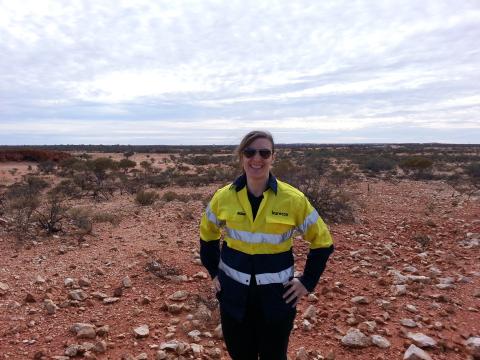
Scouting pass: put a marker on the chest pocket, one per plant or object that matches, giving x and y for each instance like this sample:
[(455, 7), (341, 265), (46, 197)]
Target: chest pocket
[(234, 219), (279, 224)]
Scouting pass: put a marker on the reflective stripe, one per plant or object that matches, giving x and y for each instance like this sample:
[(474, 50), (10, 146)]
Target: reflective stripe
[(236, 275), (280, 277), (257, 238), (212, 217), (311, 219)]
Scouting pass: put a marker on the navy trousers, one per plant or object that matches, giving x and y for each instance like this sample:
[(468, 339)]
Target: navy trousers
[(256, 337)]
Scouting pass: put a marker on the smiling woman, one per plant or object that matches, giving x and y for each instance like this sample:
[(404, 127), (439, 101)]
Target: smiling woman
[(253, 273)]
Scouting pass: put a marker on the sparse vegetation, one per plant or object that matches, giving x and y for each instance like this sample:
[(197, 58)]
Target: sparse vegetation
[(145, 197)]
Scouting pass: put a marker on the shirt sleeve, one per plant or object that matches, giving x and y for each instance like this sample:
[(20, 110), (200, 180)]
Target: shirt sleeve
[(210, 238), (314, 267), (316, 232)]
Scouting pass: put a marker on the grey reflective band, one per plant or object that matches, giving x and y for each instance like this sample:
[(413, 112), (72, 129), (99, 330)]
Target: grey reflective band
[(236, 275), (258, 238), (311, 219), (212, 217), (280, 277)]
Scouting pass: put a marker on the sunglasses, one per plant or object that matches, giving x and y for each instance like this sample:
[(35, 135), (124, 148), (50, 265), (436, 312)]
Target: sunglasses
[(264, 153)]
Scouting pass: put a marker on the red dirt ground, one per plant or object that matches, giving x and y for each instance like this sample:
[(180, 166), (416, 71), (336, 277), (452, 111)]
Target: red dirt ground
[(390, 218)]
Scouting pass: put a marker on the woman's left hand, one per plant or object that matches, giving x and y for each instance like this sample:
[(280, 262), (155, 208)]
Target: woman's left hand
[(295, 291)]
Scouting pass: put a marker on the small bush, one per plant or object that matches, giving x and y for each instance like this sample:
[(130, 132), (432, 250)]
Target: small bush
[(379, 164), (82, 219), (145, 197), (474, 170), (104, 217)]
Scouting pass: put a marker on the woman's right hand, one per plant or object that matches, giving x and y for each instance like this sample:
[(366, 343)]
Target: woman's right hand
[(216, 284)]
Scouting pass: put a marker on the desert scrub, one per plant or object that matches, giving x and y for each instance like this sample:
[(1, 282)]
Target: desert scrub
[(146, 197), (106, 217), (82, 219)]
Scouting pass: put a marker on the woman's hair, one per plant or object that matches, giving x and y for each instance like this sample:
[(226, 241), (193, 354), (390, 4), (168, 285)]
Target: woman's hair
[(251, 137)]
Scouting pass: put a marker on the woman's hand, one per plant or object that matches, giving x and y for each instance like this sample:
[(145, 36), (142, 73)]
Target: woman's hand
[(216, 284), (295, 291)]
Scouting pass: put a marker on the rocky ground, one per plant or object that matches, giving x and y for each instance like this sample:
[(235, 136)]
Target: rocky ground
[(403, 283)]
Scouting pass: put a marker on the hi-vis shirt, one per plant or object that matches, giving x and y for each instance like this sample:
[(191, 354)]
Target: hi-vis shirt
[(260, 248)]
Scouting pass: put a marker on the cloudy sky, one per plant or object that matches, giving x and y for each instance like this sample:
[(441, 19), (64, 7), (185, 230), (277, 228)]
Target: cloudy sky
[(206, 72)]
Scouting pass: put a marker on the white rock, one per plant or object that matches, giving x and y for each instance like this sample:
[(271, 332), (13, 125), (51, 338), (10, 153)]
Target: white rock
[(422, 340), (141, 332), (408, 323), (415, 353), (380, 341), (179, 295), (355, 338), (399, 290), (411, 308), (301, 354), (360, 300)]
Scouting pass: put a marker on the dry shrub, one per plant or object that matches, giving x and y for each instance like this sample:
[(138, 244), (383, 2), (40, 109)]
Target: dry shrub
[(333, 203), (82, 219), (106, 217), (146, 197)]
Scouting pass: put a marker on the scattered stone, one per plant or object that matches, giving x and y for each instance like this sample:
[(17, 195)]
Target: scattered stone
[(195, 335), (421, 340), (3, 288), (141, 356), (408, 323), (69, 282), (39, 280), (83, 330), (306, 325), (399, 290), (78, 295), (100, 347), (161, 355), (301, 354), (312, 298), (110, 300), (74, 350), (411, 308), (126, 282), (141, 332), (355, 338), (84, 282), (415, 353), (380, 341), (179, 295), (360, 300), (473, 346), (197, 350), (310, 312), (203, 314), (200, 275), (103, 330), (50, 306), (175, 308)]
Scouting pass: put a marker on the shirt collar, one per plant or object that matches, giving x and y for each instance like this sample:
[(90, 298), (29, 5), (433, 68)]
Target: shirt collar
[(241, 182)]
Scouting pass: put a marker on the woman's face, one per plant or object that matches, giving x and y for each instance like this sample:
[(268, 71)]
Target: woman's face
[(256, 167)]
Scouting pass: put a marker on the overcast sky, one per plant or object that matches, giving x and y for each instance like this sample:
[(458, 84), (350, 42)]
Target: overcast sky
[(206, 72)]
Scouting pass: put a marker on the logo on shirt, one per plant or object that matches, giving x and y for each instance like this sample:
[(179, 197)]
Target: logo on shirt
[(241, 213), (279, 213)]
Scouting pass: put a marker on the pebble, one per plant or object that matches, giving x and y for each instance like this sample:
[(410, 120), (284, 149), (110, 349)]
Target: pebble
[(380, 341), (415, 353), (355, 338), (141, 331), (421, 340)]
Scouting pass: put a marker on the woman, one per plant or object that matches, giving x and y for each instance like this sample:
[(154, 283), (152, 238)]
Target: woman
[(253, 272)]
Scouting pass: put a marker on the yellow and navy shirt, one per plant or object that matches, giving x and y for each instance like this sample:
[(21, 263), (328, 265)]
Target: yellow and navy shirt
[(259, 248)]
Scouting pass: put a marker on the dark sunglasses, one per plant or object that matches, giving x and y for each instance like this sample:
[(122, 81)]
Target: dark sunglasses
[(264, 153)]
